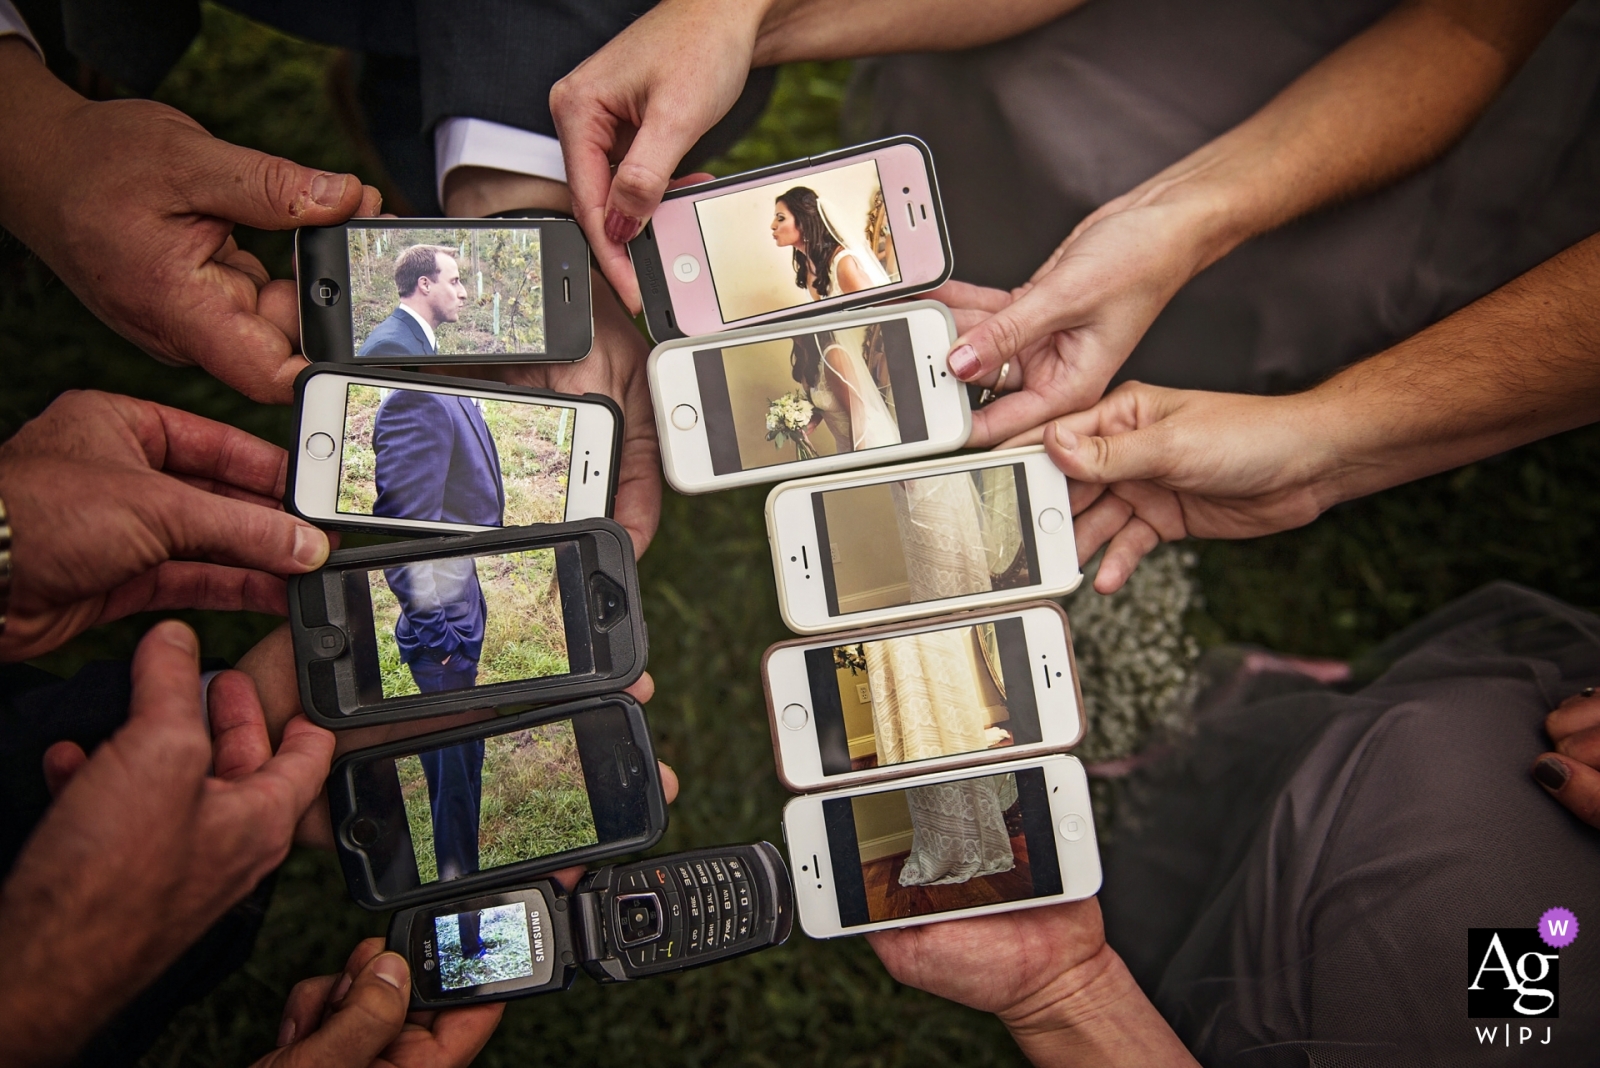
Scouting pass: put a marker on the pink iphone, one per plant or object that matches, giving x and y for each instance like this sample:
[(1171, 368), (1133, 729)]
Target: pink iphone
[(854, 227)]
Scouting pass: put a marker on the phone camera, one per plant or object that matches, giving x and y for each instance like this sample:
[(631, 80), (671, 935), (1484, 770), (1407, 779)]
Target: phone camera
[(609, 603), (325, 291)]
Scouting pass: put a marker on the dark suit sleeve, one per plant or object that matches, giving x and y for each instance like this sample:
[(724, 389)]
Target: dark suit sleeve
[(411, 443), (425, 590)]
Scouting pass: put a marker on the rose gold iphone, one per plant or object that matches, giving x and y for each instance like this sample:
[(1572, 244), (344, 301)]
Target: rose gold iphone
[(853, 227)]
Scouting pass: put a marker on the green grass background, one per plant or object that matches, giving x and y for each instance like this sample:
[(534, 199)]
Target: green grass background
[(1333, 589)]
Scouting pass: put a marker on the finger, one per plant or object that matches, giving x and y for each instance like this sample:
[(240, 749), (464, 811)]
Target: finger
[(1574, 784), (1130, 545), (315, 829), (964, 296), (1127, 457), (370, 1017), (303, 1010), (184, 584), (1577, 713), (205, 526), (642, 176), (267, 192), (1098, 524), (568, 877), (1003, 336), (643, 689), (1155, 505), (287, 784), (359, 958), (1080, 495), (204, 448), (458, 1034), (279, 304), (1582, 746), (669, 781), (239, 742), (61, 763)]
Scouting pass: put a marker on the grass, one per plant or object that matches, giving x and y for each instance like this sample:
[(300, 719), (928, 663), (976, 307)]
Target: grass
[(1335, 588)]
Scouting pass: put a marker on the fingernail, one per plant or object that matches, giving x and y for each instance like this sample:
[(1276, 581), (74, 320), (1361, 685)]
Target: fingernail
[(391, 968), (619, 227), (179, 636), (1551, 773), (1065, 438), (964, 362), (328, 189), (341, 988), (310, 546), (286, 1032)]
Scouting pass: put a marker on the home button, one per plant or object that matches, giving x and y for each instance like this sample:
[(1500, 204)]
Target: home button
[(684, 417), (1073, 827), (1051, 520)]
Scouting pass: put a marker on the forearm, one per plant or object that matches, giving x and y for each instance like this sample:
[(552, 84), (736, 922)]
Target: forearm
[(36, 103), (794, 30)]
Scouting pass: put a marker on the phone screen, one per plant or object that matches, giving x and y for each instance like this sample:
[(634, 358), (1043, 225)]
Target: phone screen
[(446, 812), (446, 458), (416, 291), (798, 240), (506, 938), (952, 845), (810, 394), (926, 539), (921, 696)]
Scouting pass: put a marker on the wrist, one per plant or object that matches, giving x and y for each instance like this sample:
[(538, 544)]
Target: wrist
[(478, 192), (31, 125)]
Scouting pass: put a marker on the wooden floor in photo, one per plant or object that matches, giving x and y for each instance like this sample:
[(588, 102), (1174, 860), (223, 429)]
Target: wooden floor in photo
[(888, 900)]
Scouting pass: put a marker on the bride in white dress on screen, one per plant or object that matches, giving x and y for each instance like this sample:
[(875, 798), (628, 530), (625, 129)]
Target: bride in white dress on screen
[(842, 392), (825, 265)]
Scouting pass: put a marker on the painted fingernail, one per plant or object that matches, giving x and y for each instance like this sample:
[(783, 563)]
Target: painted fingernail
[(328, 189), (1551, 773), (619, 227), (964, 362), (391, 968), (310, 546), (286, 1032), (342, 987)]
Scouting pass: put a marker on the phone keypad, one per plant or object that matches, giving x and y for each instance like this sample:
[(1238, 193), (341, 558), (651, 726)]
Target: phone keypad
[(708, 907)]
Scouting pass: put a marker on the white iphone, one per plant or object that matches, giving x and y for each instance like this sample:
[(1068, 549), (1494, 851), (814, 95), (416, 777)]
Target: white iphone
[(954, 692), (921, 539), (392, 451), (942, 847), (847, 390)]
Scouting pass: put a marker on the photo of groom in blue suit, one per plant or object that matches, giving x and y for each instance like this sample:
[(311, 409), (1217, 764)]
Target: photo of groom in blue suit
[(435, 459), (431, 293)]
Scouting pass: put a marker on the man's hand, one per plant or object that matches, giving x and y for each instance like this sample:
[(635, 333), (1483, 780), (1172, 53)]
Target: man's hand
[(358, 1018), (133, 204), (1572, 773), (120, 506), (143, 848)]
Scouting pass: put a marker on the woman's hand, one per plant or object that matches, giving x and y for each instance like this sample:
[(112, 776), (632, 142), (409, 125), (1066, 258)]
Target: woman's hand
[(1572, 773)]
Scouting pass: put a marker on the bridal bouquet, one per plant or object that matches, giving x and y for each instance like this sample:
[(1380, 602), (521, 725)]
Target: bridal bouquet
[(787, 418)]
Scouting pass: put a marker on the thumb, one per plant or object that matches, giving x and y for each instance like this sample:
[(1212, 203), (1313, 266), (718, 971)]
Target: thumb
[(207, 526), (1000, 337), (644, 173), (266, 192), (61, 762), (1128, 457), (370, 1017)]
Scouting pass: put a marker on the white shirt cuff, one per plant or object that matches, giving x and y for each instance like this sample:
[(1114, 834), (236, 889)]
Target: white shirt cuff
[(12, 22), (459, 142)]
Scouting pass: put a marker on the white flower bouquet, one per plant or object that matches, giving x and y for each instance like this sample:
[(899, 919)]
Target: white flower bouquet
[(787, 419)]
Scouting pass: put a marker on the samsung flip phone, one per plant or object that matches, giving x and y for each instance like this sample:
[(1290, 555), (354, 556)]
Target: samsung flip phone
[(459, 811), (921, 539), (396, 452), (843, 230), (505, 618), (945, 846), (958, 691), (409, 292), (623, 922), (840, 391)]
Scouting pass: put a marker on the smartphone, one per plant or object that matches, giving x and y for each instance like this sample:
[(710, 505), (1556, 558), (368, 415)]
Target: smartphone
[(954, 692), (942, 847), (850, 389), (398, 292), (854, 227), (920, 539), (460, 810), (623, 922), (506, 619), (394, 452)]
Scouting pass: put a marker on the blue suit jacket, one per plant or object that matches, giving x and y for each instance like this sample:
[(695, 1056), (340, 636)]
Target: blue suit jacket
[(435, 460), (398, 335)]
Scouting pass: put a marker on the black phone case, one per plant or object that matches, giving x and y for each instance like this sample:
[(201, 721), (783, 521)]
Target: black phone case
[(358, 874), (321, 259), (402, 378), (584, 929), (659, 317), (322, 650)]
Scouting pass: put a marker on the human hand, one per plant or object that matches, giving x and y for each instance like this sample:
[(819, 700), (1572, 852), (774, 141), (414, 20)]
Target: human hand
[(1571, 773), (132, 204), (119, 506), (358, 1018), (144, 848)]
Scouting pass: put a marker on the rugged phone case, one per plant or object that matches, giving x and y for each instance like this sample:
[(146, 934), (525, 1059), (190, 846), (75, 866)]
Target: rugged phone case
[(651, 917), (353, 830), (325, 657), (906, 770), (404, 378), (659, 317)]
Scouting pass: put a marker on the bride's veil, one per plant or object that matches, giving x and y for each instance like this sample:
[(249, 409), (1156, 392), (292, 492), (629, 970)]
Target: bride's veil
[(869, 263)]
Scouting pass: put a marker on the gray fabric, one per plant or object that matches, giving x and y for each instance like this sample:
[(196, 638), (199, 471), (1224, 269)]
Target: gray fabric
[(1032, 134), (1304, 872)]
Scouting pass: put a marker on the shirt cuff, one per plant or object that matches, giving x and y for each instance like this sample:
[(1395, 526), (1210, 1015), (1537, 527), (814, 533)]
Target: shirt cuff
[(12, 22), (459, 142)]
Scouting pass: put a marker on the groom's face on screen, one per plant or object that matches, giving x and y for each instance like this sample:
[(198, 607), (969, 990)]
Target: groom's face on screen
[(441, 296)]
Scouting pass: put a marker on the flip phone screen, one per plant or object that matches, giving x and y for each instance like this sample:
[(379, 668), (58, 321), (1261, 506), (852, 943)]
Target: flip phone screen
[(480, 947), (390, 466), (797, 241), (921, 696), (942, 847), (809, 395), (926, 539)]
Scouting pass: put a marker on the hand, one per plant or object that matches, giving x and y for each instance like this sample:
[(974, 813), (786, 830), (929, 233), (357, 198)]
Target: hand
[(1149, 465), (132, 204), (120, 506), (1074, 323), (358, 1018), (143, 849), (1570, 773), (641, 103)]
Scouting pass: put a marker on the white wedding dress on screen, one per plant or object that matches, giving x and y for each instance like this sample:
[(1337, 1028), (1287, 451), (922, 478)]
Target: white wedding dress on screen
[(927, 698), (958, 831), (855, 413)]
